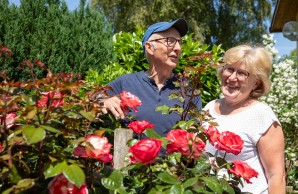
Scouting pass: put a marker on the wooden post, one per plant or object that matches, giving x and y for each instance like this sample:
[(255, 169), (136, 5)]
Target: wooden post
[(121, 136)]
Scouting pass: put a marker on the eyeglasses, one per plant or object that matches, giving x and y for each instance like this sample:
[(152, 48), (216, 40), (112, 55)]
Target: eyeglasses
[(170, 41), (241, 74)]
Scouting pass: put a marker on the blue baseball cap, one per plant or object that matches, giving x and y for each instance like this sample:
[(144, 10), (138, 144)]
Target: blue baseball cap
[(180, 25)]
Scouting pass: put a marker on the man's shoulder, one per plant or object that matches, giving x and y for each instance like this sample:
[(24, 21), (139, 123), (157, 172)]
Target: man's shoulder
[(130, 75)]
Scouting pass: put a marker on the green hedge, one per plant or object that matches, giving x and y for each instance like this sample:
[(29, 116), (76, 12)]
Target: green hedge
[(46, 30)]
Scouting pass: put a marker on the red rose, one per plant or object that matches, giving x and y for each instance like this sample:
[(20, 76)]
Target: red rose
[(145, 151), (229, 142), (101, 149), (140, 126), (60, 185), (186, 143), (10, 119), (129, 100), (243, 170), (212, 134), (1, 148), (57, 100)]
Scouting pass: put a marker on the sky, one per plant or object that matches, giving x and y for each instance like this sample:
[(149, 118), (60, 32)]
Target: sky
[(282, 44)]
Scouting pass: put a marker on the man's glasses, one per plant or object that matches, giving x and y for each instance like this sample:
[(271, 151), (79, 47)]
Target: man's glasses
[(241, 74), (170, 41)]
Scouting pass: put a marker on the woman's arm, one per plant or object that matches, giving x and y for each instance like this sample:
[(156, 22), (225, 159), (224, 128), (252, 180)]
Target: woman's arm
[(271, 152)]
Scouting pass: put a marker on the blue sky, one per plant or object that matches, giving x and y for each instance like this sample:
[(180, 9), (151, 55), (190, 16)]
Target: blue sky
[(283, 45)]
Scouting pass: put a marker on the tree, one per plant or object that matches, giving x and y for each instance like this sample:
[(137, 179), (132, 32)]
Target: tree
[(213, 22), (46, 30)]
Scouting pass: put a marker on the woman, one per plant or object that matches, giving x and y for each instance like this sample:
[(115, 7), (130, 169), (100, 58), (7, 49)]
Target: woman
[(245, 78)]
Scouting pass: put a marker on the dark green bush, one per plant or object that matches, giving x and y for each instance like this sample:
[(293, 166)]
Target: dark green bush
[(46, 30)]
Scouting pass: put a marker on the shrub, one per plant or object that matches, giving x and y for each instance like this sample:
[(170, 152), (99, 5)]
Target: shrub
[(47, 31), (54, 137)]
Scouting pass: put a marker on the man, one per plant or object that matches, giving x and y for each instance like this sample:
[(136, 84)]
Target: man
[(162, 47)]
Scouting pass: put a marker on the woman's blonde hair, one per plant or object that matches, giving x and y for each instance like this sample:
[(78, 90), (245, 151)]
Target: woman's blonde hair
[(258, 62)]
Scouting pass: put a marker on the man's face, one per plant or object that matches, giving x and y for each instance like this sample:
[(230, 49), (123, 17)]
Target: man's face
[(164, 49)]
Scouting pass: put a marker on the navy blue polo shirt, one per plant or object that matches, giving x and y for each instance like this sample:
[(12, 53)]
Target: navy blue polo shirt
[(145, 88)]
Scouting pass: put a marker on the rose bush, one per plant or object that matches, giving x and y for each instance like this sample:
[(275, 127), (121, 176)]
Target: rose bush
[(54, 138)]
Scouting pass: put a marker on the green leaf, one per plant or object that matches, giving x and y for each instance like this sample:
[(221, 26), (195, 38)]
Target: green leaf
[(14, 175), (176, 189), (185, 124), (166, 177), (201, 189), (226, 187), (51, 129), (88, 115), (121, 190), (213, 184), (28, 100), (74, 174), (25, 183), (114, 181), (164, 109), (53, 171), (190, 182), (8, 191), (151, 133), (33, 134)]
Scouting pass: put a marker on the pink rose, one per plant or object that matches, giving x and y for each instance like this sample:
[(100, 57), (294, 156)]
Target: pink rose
[(129, 100), (60, 185), (186, 143), (229, 142), (243, 170), (101, 149), (145, 151), (140, 126), (57, 100), (10, 119)]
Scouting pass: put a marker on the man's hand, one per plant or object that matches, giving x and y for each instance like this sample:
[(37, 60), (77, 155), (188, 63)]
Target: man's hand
[(112, 104)]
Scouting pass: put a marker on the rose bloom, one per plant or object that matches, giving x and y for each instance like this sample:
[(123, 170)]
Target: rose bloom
[(145, 151), (60, 185), (186, 143), (129, 100), (212, 134), (243, 170), (140, 126), (229, 142), (101, 149), (1, 148), (57, 100), (10, 119)]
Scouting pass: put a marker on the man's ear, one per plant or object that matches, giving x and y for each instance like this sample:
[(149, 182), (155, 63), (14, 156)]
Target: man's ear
[(150, 46)]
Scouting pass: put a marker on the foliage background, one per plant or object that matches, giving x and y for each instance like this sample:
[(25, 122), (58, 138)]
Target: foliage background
[(46, 30), (213, 22)]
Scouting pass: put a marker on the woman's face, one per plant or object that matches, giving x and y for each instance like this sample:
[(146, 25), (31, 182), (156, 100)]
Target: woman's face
[(237, 83)]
